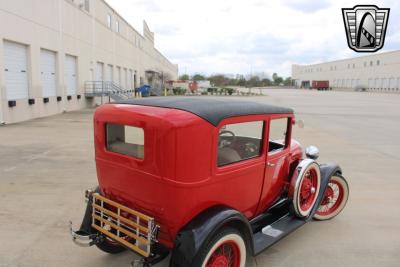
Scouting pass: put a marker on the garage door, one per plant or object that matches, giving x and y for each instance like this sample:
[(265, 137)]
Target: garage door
[(130, 78), (134, 80), (371, 83), (48, 72), (384, 83), (70, 74), (99, 71), (110, 74), (124, 82), (392, 83), (353, 83), (377, 83), (119, 76), (16, 70)]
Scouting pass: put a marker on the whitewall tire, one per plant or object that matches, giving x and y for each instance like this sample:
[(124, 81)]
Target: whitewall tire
[(227, 248), (335, 199)]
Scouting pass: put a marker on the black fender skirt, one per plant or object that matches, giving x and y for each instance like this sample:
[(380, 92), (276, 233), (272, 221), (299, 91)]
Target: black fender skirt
[(196, 233), (327, 170)]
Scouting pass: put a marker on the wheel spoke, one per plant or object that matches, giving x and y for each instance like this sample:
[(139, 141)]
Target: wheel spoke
[(226, 254)]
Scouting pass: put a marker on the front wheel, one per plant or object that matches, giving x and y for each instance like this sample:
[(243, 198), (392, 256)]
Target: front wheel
[(335, 198), (226, 249), (304, 188)]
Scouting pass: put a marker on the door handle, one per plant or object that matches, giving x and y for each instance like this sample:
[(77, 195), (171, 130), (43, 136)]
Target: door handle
[(270, 164)]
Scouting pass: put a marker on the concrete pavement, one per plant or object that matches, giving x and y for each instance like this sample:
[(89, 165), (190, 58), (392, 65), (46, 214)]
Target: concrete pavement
[(46, 164)]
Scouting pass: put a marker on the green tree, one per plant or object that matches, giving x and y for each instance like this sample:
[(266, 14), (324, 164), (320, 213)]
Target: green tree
[(254, 81), (288, 81), (218, 80), (198, 77), (277, 80), (266, 82), (241, 81), (184, 77)]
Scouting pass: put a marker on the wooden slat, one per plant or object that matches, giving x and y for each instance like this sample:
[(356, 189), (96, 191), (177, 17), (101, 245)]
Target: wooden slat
[(122, 241), (132, 235), (121, 218), (115, 204)]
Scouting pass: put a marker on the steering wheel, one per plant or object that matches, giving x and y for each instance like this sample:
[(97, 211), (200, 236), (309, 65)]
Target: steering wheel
[(224, 143)]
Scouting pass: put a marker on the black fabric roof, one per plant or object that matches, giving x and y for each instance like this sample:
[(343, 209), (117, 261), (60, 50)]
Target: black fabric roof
[(211, 109)]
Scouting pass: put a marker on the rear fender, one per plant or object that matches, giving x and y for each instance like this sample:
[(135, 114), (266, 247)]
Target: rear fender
[(327, 170), (197, 232), (86, 225)]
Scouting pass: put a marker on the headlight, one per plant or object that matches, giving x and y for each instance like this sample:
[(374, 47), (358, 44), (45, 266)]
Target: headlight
[(312, 152)]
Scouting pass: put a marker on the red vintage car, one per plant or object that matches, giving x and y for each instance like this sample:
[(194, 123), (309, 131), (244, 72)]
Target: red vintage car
[(207, 180)]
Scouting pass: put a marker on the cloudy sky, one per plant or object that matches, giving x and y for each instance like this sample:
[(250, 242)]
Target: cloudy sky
[(249, 36)]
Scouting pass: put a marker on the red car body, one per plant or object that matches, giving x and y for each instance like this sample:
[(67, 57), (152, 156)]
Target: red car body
[(175, 191), (179, 178)]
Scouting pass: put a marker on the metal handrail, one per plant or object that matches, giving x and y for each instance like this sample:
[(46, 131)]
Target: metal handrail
[(106, 88)]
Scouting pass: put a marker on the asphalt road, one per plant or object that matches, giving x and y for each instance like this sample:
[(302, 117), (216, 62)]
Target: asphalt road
[(46, 164)]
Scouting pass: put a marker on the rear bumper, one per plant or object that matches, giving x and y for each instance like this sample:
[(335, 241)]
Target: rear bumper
[(84, 239)]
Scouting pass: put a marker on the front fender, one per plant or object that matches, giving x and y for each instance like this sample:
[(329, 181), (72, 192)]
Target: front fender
[(327, 170), (198, 231)]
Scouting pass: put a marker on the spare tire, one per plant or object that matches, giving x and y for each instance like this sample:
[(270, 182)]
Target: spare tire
[(304, 187)]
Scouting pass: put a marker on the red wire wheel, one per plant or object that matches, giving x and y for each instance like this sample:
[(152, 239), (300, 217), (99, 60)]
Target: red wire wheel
[(335, 198), (305, 187), (308, 189), (227, 254), (226, 249)]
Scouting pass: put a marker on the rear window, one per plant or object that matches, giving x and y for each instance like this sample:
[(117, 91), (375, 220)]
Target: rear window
[(127, 140)]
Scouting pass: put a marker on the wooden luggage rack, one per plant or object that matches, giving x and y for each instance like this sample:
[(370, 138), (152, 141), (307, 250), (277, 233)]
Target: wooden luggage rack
[(128, 227)]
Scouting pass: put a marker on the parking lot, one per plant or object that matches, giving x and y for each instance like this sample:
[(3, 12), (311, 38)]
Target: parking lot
[(46, 164)]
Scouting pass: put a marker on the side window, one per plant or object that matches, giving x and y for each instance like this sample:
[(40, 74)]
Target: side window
[(127, 140), (239, 141), (277, 134)]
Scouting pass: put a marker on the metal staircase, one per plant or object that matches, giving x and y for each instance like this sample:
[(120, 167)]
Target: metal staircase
[(107, 88)]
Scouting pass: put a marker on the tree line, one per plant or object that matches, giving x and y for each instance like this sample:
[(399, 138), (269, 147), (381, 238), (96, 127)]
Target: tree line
[(240, 80)]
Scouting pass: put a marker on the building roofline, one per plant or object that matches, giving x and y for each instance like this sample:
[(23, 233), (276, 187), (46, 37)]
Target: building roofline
[(133, 28), (122, 18), (346, 59)]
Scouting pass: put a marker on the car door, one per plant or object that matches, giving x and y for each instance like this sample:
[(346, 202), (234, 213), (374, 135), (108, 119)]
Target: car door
[(277, 161), (240, 166)]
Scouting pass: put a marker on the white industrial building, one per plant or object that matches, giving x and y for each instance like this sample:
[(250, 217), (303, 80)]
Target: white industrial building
[(374, 72), (51, 49)]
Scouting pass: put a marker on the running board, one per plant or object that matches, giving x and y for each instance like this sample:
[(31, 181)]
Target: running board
[(274, 232)]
